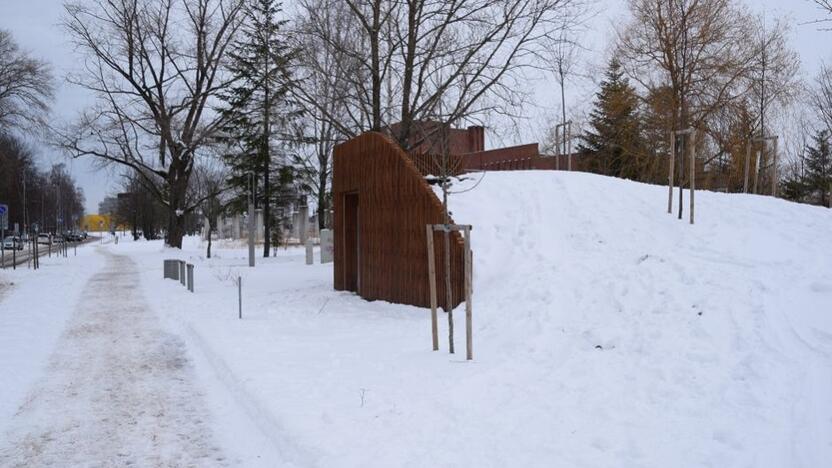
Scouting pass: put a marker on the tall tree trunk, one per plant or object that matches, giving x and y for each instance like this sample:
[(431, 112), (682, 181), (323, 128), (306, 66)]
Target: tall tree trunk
[(210, 232), (178, 183), (376, 66), (267, 158), (176, 230), (323, 207), (407, 81), (267, 136), (267, 231)]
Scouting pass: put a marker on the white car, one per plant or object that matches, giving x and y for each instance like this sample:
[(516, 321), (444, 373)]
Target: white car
[(12, 242), (44, 239)]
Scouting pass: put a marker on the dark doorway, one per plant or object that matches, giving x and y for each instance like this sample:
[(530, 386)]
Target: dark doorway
[(352, 257)]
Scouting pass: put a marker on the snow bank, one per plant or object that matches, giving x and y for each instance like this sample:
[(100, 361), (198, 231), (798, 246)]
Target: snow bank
[(652, 342), (34, 308), (606, 333)]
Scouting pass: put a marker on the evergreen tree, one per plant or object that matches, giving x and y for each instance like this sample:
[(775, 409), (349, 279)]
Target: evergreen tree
[(793, 187), (260, 112), (613, 143), (818, 177)]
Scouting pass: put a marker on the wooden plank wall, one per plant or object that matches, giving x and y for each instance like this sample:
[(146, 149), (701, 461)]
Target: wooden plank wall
[(395, 204)]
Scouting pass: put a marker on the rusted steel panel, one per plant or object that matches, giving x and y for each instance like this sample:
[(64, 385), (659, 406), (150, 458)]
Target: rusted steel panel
[(380, 248)]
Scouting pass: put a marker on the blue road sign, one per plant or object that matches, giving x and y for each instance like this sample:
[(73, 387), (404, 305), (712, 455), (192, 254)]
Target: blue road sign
[(4, 217)]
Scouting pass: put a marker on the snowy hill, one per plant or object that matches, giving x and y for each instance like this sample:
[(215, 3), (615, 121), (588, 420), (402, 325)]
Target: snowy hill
[(663, 344), (607, 333)]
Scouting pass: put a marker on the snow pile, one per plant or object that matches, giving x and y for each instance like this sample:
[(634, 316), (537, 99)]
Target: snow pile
[(606, 333), (648, 341)]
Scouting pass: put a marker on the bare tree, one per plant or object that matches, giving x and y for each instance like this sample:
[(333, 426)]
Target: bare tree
[(698, 48), (326, 74), (155, 67), (821, 96), (562, 58), (405, 57), (26, 89), (210, 187), (825, 5)]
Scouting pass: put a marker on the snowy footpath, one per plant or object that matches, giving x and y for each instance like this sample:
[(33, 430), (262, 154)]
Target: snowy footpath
[(607, 334), (118, 389)]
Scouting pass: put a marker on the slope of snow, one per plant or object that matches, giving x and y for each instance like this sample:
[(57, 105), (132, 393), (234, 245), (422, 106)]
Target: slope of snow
[(606, 333), (664, 344)]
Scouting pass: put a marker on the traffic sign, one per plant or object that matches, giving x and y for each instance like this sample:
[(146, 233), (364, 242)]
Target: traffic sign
[(4, 217)]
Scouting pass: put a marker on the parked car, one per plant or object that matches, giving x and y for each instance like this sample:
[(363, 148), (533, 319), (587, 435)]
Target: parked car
[(44, 239), (12, 243)]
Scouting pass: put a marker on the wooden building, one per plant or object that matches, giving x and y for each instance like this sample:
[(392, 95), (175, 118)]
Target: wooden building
[(382, 203), (381, 206)]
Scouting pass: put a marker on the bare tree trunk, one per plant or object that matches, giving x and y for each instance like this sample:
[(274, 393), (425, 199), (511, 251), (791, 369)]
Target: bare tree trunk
[(267, 232), (210, 235), (376, 66), (176, 213), (323, 207), (449, 305)]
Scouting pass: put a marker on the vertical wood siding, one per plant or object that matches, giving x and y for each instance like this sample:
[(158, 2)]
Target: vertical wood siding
[(395, 203)]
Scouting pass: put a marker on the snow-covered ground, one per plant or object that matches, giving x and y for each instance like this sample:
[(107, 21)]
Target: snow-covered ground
[(606, 333)]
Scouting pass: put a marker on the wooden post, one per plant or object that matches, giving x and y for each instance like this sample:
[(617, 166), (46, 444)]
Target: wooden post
[(469, 334), (747, 163), (681, 182), (434, 328), (692, 144), (568, 143), (757, 171), (774, 170), (670, 172), (557, 147)]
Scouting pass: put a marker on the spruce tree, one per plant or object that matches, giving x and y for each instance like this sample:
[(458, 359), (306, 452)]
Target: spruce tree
[(818, 176), (613, 142), (259, 110)]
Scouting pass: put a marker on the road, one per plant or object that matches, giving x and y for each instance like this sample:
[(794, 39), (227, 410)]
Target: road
[(118, 390), (21, 257)]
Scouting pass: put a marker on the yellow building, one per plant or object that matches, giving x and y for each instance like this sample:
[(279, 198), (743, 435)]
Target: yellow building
[(96, 222)]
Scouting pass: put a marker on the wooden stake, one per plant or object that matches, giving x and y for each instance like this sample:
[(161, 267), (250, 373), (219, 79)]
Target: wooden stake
[(757, 171), (747, 163), (692, 144), (568, 143), (469, 334), (434, 328), (774, 170), (670, 172)]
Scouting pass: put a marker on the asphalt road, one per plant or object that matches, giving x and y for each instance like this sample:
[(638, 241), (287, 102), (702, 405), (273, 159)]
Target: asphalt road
[(21, 257)]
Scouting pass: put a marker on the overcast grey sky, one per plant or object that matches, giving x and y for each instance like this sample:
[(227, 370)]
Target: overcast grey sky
[(34, 24)]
